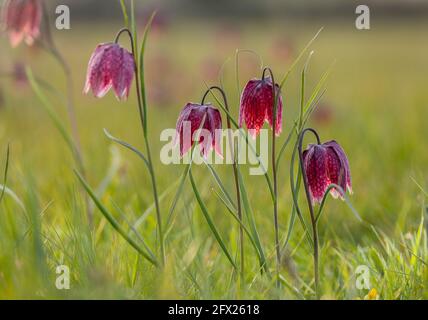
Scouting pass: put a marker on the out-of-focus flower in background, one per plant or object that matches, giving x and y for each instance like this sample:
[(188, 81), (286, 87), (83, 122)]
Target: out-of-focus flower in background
[(282, 50), (323, 114), (161, 20), (2, 100), (21, 19), (210, 68), (228, 37), (19, 75)]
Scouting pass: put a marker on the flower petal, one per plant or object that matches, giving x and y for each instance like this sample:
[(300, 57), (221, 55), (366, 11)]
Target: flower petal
[(347, 184), (122, 68), (254, 103), (316, 172)]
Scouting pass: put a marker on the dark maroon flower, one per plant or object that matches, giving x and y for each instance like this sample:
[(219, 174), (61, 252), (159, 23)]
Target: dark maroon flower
[(21, 19), (110, 66), (190, 120), (326, 164), (257, 106)]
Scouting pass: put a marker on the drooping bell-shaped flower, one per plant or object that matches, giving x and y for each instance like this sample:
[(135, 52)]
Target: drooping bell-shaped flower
[(190, 120), (110, 66), (326, 164), (21, 19), (257, 105)]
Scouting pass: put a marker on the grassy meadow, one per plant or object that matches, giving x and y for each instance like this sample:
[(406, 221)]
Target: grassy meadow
[(375, 105)]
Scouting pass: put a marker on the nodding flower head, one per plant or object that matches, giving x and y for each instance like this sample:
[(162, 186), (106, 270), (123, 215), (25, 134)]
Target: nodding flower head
[(110, 66), (326, 164), (190, 120), (21, 19), (257, 104)]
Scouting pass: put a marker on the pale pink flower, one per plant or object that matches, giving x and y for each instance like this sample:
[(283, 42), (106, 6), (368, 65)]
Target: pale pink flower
[(110, 66), (190, 120)]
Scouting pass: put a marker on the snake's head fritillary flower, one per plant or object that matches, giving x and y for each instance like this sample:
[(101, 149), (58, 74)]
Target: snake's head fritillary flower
[(21, 19), (257, 104), (326, 164), (110, 66), (190, 120)]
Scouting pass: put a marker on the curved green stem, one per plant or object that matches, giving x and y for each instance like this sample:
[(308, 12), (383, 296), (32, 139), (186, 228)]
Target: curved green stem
[(235, 174), (275, 101), (311, 208), (142, 114)]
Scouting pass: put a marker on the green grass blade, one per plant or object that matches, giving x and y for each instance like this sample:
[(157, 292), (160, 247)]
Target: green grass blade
[(345, 198), (250, 216), (233, 213), (220, 184), (124, 13), (210, 221), (295, 196), (176, 198), (141, 69), (9, 192), (51, 112), (6, 170), (152, 206), (128, 146), (113, 221), (296, 61)]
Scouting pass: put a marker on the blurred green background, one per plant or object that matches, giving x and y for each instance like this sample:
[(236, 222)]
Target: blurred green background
[(376, 106)]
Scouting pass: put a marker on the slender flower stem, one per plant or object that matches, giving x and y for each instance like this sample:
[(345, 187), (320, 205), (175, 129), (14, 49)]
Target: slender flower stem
[(235, 172), (311, 208), (146, 141), (51, 47), (274, 174)]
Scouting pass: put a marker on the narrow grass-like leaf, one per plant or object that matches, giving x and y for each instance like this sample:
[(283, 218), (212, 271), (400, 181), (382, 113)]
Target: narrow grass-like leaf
[(345, 197), (149, 209), (318, 87), (124, 13), (6, 170), (176, 198), (233, 213), (420, 187), (52, 114), (307, 109), (9, 192), (250, 216), (293, 213), (128, 146), (296, 61), (220, 184), (417, 241), (295, 195), (134, 231), (113, 221), (210, 221), (142, 69)]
